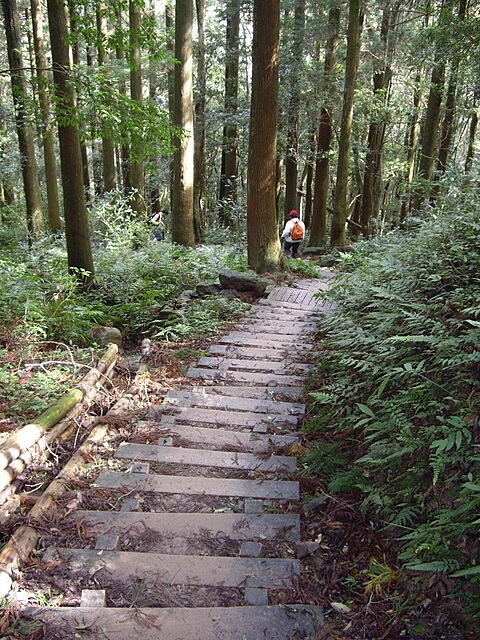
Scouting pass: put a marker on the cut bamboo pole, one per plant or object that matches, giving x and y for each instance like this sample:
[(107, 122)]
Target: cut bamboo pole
[(27, 437)]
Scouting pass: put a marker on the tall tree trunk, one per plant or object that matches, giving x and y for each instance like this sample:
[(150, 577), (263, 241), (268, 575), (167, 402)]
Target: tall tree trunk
[(136, 154), (382, 79), (228, 178), (77, 234), (319, 231), (411, 144), (182, 231), (472, 135), (199, 190), (262, 229), (170, 28), (25, 135), (125, 148), (355, 20), (54, 222), (296, 70), (108, 151)]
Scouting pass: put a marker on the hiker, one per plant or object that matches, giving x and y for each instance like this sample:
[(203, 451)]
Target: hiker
[(293, 233), (158, 219)]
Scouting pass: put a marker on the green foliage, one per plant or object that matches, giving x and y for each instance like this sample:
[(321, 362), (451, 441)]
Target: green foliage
[(398, 378)]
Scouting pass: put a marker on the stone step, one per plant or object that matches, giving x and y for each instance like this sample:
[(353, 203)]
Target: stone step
[(250, 353), (241, 419), (264, 365), (276, 314), (286, 328), (246, 377), (205, 458), (293, 294), (220, 438), (271, 393), (199, 486), (263, 341), (156, 569), (286, 622), (234, 526), (261, 334), (180, 398), (281, 304)]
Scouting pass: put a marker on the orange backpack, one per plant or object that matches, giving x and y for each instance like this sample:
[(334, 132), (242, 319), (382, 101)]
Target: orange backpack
[(297, 232)]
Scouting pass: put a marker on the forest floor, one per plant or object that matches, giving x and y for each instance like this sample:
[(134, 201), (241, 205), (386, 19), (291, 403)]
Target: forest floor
[(353, 571)]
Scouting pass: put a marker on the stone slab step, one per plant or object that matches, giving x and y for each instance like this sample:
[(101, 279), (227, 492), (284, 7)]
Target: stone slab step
[(233, 403), (265, 335), (296, 295), (199, 486), (271, 393), (273, 313), (263, 341), (156, 569), (235, 526), (205, 458), (245, 419), (246, 377), (286, 622), (282, 304), (288, 327), (251, 353), (264, 365), (223, 438)]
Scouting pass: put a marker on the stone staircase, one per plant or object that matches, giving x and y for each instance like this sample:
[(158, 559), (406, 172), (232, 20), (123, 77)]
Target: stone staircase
[(205, 541)]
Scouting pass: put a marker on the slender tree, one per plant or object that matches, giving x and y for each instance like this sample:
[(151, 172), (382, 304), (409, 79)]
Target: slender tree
[(228, 177), (26, 143), (137, 177), (199, 131), (293, 109), (182, 230), (108, 150), (318, 230), (262, 229), (54, 222), (79, 250), (472, 135), (355, 21), (411, 144)]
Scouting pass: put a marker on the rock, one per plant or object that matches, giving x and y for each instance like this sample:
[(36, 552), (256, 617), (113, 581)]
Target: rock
[(208, 288), (186, 296), (238, 280), (261, 286), (328, 260), (313, 251), (106, 335), (305, 548)]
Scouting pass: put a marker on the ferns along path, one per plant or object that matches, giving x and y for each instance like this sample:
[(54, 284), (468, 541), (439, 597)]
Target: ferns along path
[(181, 519)]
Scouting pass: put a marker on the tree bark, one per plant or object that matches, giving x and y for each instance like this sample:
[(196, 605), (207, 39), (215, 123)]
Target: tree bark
[(296, 70), (54, 222), (137, 177), (79, 250), (108, 150), (355, 20), (318, 227), (199, 190), (170, 28), (411, 144), (472, 135), (262, 230), (228, 178), (26, 143), (182, 229)]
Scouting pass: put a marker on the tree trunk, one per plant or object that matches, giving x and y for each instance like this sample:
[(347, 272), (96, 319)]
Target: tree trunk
[(228, 178), (108, 151), (54, 222), (472, 135), (136, 154), (355, 20), (79, 250), (31, 187), (125, 149), (262, 230), (182, 230), (199, 133), (293, 109), (318, 229), (411, 143), (170, 28)]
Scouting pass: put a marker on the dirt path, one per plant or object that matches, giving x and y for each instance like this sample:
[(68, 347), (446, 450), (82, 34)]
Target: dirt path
[(199, 532)]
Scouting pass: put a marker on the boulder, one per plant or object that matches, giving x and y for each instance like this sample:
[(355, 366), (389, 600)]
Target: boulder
[(208, 288), (328, 260), (313, 251), (106, 335), (239, 280)]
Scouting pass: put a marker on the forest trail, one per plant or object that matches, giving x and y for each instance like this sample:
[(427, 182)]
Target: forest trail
[(205, 542)]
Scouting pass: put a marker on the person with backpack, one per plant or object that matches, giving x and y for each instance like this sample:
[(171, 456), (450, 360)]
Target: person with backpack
[(293, 234), (158, 220)]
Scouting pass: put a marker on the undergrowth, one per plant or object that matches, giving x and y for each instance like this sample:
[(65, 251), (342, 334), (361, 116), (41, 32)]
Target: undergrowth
[(395, 395)]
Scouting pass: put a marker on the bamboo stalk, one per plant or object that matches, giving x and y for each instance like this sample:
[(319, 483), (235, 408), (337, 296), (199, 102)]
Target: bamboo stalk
[(30, 434)]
